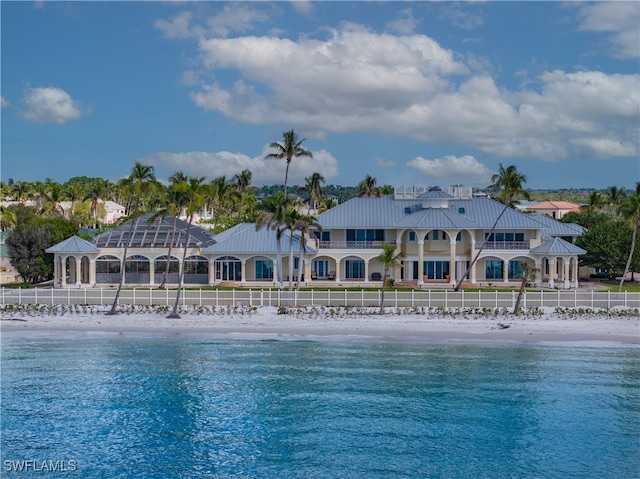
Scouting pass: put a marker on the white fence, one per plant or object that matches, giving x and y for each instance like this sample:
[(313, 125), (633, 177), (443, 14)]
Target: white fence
[(335, 298)]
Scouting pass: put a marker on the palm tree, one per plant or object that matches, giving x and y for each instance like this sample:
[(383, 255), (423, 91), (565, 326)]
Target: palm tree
[(243, 180), (528, 273), (52, 194), (313, 185), (389, 259), (174, 202), (596, 201), (289, 149), (95, 195), (614, 196), (367, 187), (304, 225), (8, 218), (272, 216), (630, 211), (140, 181), (508, 182), (194, 194)]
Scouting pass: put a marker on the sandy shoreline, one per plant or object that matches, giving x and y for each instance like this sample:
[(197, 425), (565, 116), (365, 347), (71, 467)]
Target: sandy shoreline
[(265, 323)]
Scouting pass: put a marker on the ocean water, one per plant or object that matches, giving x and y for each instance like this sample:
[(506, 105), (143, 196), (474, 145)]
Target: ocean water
[(124, 407)]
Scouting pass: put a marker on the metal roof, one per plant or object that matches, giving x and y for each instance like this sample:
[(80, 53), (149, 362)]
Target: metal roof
[(434, 193), (557, 246), (244, 239), (74, 244), (387, 212), (158, 234), (435, 218), (553, 227)]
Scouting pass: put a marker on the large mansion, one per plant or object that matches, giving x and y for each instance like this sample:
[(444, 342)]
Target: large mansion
[(438, 231)]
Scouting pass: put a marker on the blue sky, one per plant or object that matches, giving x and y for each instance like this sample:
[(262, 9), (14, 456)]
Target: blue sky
[(414, 93)]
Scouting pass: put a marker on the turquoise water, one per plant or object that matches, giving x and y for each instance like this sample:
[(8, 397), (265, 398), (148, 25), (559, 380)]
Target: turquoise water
[(121, 407)]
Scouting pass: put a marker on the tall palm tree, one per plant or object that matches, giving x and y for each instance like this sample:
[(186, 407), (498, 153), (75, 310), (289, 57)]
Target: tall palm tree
[(367, 187), (596, 201), (630, 211), (242, 183), (304, 226), (313, 186), (194, 191), (528, 273), (175, 201), (290, 148), (95, 195), (389, 259), (52, 195), (508, 183), (140, 181), (272, 216)]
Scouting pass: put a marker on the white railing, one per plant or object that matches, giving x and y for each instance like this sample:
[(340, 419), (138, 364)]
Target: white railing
[(335, 298)]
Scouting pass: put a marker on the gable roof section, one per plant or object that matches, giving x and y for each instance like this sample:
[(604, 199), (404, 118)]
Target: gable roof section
[(435, 218), (74, 244), (554, 227), (158, 234), (244, 239), (557, 246)]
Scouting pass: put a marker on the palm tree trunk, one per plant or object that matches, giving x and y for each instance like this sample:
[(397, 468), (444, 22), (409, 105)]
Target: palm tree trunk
[(114, 306), (300, 261), (166, 268), (384, 285), (525, 278), (174, 313), (291, 261), (466, 274), (628, 265)]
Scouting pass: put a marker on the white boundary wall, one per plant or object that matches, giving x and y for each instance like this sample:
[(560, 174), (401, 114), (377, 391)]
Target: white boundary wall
[(334, 298)]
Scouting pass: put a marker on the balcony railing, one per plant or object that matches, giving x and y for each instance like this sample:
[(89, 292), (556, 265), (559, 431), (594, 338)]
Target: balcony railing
[(352, 244), (506, 245)]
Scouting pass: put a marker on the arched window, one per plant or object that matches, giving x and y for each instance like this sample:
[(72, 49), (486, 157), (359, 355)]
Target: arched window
[(228, 268), (196, 270), (137, 270), (173, 270), (107, 269)]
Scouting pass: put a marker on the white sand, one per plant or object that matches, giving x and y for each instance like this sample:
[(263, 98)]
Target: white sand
[(265, 323)]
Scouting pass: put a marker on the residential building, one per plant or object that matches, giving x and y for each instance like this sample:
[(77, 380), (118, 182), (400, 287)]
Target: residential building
[(555, 209), (439, 233)]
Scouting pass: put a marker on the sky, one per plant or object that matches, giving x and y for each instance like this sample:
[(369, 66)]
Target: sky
[(411, 93)]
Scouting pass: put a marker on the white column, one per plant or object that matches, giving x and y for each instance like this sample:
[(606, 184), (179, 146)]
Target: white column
[(152, 272), (366, 270), (472, 274), (552, 272), (420, 261), (505, 270), (78, 272), (243, 271), (56, 271), (63, 271), (567, 284), (212, 272), (538, 273), (452, 261), (337, 271)]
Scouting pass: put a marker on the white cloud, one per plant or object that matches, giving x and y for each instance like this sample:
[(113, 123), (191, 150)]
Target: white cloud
[(4, 103), (460, 170), (384, 163), (405, 23), (620, 19), (224, 163), (408, 86), (303, 7), (50, 105), (233, 18)]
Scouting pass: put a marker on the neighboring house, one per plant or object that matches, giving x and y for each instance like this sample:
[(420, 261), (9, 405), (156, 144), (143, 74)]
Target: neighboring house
[(439, 232), (113, 211), (555, 209)]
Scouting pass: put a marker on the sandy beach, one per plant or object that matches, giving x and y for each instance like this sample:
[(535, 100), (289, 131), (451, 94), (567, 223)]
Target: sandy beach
[(337, 325)]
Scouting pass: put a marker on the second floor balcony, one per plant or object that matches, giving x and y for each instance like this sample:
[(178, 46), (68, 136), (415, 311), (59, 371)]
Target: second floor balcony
[(508, 245), (352, 244)]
